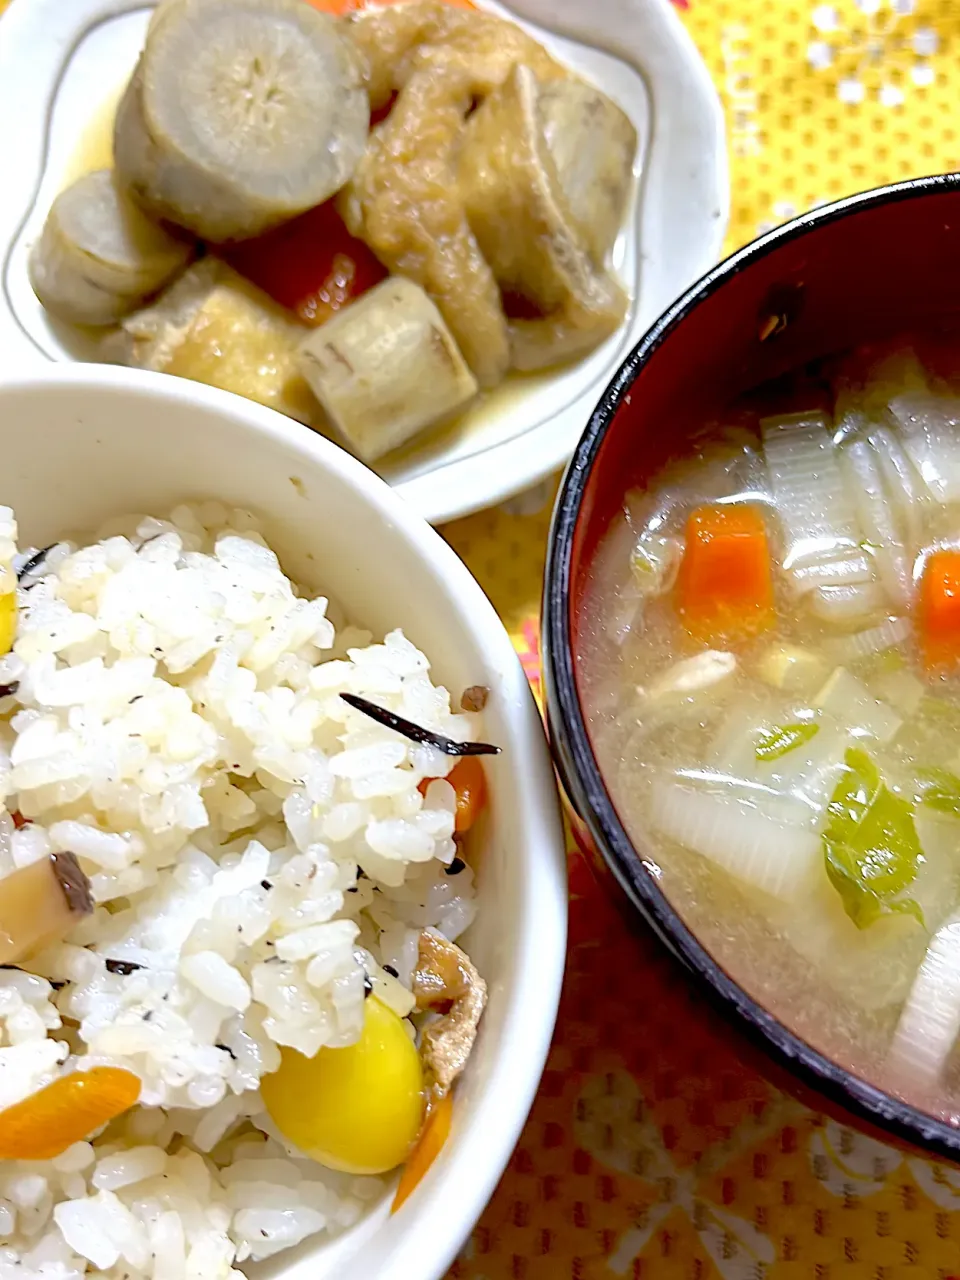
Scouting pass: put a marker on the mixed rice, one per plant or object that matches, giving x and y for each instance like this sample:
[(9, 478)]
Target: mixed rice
[(261, 856)]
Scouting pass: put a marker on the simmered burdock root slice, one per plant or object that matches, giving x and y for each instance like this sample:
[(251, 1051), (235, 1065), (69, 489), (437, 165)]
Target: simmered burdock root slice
[(41, 903), (523, 222), (240, 115), (100, 256), (592, 144), (386, 367)]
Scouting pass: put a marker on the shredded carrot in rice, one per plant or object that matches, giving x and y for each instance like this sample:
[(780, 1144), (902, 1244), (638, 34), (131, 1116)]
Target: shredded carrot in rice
[(470, 783), (429, 1144), (64, 1112)]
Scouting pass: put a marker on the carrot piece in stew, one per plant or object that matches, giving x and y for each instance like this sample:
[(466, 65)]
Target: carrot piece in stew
[(725, 585), (429, 1145), (938, 611), (312, 264)]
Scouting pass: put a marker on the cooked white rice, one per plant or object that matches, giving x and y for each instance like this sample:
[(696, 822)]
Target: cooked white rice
[(253, 843)]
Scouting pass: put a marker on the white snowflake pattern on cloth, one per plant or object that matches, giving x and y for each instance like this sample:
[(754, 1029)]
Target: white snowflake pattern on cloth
[(612, 1127), (847, 1163), (864, 41)]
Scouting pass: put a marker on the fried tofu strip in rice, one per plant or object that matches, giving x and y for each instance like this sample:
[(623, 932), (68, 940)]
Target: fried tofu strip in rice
[(446, 978)]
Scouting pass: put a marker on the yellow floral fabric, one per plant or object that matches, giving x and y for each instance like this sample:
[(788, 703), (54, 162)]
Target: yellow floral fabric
[(651, 1152)]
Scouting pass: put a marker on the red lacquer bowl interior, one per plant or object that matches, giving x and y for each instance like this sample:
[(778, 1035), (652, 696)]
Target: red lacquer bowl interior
[(863, 270)]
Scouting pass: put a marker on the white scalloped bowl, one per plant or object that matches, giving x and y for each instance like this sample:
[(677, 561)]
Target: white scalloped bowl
[(81, 443), (63, 67)]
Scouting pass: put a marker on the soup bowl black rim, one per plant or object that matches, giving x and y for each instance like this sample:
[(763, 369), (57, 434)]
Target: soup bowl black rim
[(578, 767)]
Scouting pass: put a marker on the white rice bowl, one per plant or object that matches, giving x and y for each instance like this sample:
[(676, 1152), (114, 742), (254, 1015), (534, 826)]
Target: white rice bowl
[(258, 851)]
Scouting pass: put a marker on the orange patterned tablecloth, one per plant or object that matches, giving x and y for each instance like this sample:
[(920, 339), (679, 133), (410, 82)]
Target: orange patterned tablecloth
[(651, 1153)]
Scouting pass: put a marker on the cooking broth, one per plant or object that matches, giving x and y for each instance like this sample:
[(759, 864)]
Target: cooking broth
[(770, 646)]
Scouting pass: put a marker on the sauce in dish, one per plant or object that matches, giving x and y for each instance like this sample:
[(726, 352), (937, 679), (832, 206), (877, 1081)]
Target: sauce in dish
[(771, 674)]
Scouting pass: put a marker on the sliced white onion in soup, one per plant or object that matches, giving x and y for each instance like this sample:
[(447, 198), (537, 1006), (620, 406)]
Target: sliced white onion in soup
[(861, 468), (655, 562), (620, 612), (812, 501), (733, 832), (864, 644), (907, 492), (731, 750), (849, 606), (930, 1021), (846, 567), (930, 428), (810, 773)]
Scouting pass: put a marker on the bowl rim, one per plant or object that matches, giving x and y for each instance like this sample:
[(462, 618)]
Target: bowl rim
[(429, 1230), (582, 777)]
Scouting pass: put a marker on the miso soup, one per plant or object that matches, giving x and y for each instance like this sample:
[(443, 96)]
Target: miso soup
[(771, 675)]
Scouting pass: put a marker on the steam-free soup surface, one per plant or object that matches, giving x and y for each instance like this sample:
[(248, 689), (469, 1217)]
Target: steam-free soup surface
[(772, 646)]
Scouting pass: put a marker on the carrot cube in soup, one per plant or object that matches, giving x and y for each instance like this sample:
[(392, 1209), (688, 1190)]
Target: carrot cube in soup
[(938, 611), (725, 585)]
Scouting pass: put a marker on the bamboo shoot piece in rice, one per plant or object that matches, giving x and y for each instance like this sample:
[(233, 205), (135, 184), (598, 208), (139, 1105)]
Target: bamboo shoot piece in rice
[(240, 115), (214, 327), (40, 904), (99, 256), (386, 368)]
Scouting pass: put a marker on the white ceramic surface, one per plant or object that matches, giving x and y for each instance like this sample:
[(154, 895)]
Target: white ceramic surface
[(62, 63), (81, 443)]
